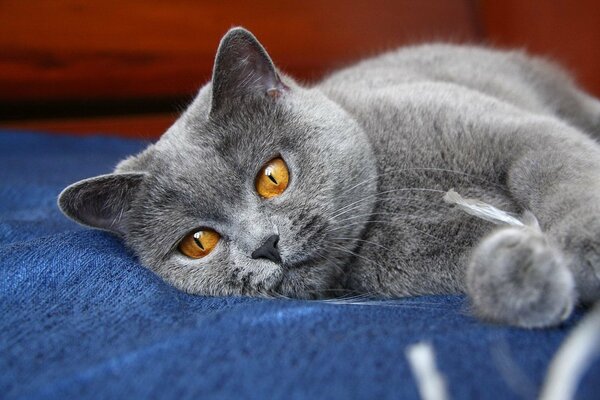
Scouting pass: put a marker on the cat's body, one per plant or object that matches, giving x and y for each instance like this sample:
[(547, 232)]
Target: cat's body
[(371, 151), (442, 117)]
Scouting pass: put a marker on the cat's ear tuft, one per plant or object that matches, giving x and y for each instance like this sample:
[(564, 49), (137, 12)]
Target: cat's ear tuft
[(243, 67), (101, 202)]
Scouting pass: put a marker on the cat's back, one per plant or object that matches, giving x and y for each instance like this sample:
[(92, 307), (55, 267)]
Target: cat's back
[(435, 61), (530, 83)]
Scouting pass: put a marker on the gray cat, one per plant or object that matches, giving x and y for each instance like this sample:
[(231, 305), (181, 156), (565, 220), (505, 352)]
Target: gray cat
[(265, 187)]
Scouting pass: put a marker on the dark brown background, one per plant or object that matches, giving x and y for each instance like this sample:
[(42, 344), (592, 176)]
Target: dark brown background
[(128, 67)]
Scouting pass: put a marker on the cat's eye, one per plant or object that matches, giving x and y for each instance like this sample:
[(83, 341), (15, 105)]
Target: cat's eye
[(200, 243), (273, 178)]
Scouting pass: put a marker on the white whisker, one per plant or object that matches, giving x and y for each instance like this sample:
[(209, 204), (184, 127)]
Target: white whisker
[(362, 241), (430, 169), (386, 192)]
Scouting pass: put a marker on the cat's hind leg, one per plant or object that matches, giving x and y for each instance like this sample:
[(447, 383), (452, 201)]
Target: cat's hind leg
[(517, 276)]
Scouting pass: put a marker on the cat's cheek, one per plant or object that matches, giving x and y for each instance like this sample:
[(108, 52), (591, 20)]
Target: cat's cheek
[(226, 272), (194, 276)]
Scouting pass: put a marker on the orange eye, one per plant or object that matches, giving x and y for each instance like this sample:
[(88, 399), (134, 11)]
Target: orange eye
[(198, 244), (273, 178)]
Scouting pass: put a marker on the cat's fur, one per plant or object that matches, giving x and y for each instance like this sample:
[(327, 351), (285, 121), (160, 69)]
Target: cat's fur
[(371, 150)]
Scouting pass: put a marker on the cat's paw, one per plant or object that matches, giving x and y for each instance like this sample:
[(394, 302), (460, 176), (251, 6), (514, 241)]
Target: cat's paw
[(516, 277)]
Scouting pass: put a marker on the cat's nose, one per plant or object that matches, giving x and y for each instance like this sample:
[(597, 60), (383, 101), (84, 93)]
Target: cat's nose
[(268, 250)]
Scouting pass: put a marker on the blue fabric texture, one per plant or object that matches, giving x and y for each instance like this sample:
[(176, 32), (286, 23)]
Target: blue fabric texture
[(81, 318)]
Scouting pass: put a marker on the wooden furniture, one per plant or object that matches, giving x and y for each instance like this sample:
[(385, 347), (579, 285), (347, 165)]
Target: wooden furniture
[(128, 67)]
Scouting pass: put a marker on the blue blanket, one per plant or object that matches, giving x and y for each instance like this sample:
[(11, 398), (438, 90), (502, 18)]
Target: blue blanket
[(80, 318)]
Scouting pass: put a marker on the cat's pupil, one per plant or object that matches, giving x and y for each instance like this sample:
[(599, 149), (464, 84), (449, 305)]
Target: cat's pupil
[(269, 174), (197, 237)]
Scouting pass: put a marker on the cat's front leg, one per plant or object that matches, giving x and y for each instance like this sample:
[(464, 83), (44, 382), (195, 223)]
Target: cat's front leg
[(517, 276), (560, 183), (578, 234), (529, 278)]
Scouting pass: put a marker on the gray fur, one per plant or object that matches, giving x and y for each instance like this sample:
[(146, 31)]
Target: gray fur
[(371, 151)]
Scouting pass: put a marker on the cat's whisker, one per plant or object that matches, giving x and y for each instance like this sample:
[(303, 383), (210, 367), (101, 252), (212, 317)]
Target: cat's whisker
[(357, 204), (387, 213), (374, 299), (381, 303), (280, 296), (359, 172), (370, 221), (429, 169), (416, 189), (408, 200), (353, 253), (332, 260), (336, 263), (391, 224), (362, 241)]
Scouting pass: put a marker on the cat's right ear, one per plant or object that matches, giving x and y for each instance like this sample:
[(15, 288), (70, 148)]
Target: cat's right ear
[(101, 202), (243, 67)]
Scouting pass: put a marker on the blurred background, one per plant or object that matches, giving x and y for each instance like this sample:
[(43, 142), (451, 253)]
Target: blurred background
[(129, 67)]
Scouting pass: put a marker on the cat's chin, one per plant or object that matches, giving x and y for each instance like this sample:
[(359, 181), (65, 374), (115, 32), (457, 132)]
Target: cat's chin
[(308, 279)]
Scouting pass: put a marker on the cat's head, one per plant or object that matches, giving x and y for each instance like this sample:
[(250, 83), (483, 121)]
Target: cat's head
[(261, 187)]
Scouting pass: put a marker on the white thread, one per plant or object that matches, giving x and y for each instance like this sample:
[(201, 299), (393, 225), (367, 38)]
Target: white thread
[(573, 358), (430, 382), (481, 210)]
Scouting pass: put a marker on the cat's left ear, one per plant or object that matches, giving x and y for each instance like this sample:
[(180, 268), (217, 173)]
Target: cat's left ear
[(243, 67), (101, 202)]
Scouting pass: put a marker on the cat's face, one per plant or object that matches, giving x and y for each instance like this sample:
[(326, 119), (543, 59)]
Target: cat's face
[(207, 174)]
